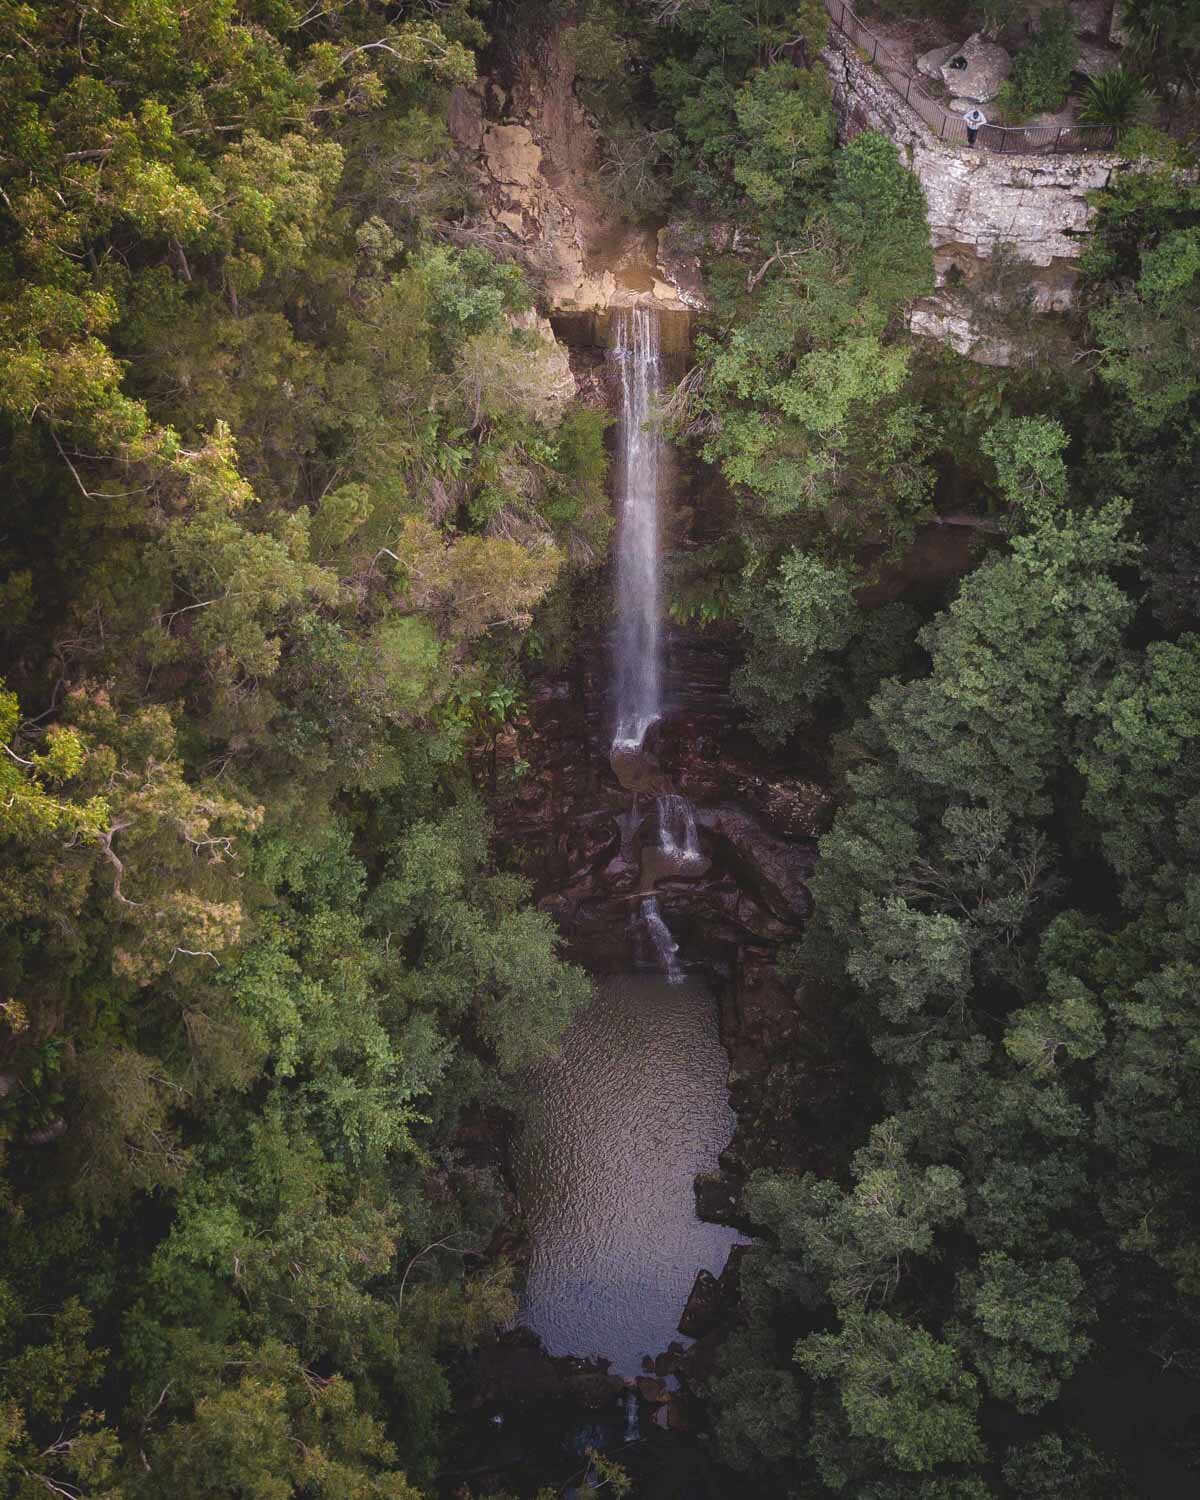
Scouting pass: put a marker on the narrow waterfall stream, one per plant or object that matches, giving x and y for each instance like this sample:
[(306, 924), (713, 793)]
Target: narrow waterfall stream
[(637, 637), (620, 1122), (637, 647)]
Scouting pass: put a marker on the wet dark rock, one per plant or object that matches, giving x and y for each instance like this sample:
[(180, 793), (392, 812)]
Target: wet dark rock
[(589, 1386), (718, 1198), (651, 1390), (774, 869), (701, 1363), (683, 1414), (703, 1309), (517, 1369)]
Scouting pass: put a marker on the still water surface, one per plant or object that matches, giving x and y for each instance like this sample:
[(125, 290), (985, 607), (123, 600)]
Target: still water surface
[(617, 1126)]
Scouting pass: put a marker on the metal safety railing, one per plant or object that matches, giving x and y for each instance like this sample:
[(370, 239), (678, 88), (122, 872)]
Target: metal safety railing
[(1004, 139)]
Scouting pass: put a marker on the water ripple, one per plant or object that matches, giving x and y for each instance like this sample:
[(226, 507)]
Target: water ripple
[(616, 1129)]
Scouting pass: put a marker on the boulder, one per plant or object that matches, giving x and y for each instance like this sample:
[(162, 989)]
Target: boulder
[(718, 1198), (679, 251), (513, 156), (930, 63), (1094, 59), (1091, 17), (976, 70), (774, 870), (654, 1392), (703, 1310), (553, 389)]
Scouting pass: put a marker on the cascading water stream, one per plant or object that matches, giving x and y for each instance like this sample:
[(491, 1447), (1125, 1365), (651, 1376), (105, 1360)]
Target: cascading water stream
[(637, 646), (677, 834), (665, 947), (637, 651), (621, 1120)]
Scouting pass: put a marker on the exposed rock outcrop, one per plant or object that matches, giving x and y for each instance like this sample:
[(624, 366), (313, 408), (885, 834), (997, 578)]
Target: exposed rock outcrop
[(536, 156), (1039, 206), (976, 70), (930, 63), (556, 385)]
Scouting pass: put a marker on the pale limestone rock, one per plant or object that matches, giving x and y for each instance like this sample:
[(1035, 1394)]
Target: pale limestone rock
[(986, 67), (556, 383), (949, 324), (1038, 204)]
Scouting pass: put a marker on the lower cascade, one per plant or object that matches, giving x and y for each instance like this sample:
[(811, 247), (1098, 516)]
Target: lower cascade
[(677, 833), (665, 947)]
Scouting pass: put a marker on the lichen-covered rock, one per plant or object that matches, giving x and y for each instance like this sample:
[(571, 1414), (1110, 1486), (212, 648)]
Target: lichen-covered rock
[(930, 63), (1094, 59), (976, 70), (556, 384)]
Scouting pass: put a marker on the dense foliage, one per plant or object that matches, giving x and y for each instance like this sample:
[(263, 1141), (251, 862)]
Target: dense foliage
[(285, 476), (289, 475), (1004, 901)]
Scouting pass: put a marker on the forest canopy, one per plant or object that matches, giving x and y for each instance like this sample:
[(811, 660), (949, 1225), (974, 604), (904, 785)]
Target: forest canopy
[(295, 508)]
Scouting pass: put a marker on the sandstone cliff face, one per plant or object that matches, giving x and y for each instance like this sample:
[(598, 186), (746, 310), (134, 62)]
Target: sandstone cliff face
[(1038, 205), (536, 157)]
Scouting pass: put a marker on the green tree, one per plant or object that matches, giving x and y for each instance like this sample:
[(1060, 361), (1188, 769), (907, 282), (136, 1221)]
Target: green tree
[(901, 1392)]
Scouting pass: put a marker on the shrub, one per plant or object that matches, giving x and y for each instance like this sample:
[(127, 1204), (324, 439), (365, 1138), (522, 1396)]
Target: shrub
[(1041, 75), (1118, 99)]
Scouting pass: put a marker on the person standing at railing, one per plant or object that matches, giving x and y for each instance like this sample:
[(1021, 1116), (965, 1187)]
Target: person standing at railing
[(974, 120)]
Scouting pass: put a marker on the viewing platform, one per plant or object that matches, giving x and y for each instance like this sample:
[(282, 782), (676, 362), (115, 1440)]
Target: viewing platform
[(952, 128)]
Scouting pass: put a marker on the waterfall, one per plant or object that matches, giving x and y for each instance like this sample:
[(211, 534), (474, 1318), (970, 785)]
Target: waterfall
[(637, 654), (637, 651), (677, 835), (665, 947)]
